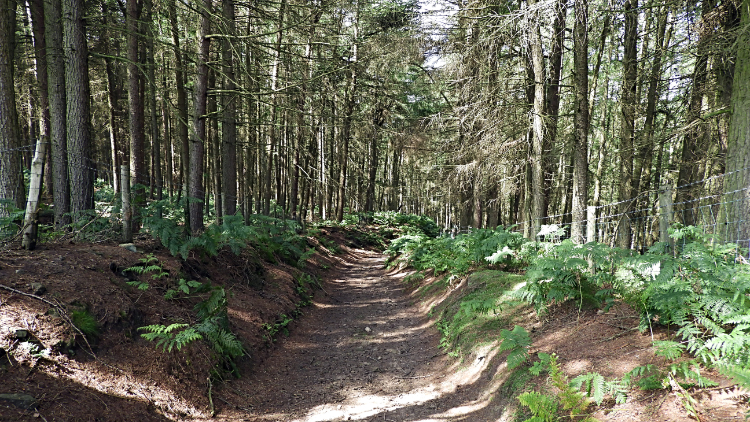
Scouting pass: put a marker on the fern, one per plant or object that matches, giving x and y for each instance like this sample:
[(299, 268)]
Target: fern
[(518, 342), (168, 337), (593, 385), (571, 399), (545, 408), (542, 407)]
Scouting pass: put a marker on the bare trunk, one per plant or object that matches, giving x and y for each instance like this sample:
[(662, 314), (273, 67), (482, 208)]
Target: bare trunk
[(197, 141)]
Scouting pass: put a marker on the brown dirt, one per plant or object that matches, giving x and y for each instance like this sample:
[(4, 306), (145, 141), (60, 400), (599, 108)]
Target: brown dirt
[(366, 349)]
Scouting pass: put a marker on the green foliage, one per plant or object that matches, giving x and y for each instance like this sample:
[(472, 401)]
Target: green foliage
[(148, 264), (457, 255), (171, 336), (518, 342), (187, 287), (10, 217), (213, 327), (567, 399), (271, 237), (571, 272), (543, 407), (700, 289), (85, 322), (541, 365), (477, 315), (279, 326)]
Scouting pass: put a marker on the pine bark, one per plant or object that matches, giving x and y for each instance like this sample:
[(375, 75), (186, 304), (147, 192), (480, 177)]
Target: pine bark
[(78, 109), (538, 125), (627, 128), (57, 108), (195, 169), (136, 107), (10, 157), (736, 199), (229, 120), (580, 147)]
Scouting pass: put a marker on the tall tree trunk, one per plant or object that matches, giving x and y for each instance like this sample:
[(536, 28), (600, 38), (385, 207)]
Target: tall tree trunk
[(57, 108), (580, 147), (78, 109), (156, 173), (736, 199), (642, 176), (627, 128), (182, 105), (346, 128), (10, 157), (195, 173), (538, 126), (552, 109), (136, 105), (272, 141), (36, 8), (692, 150), (213, 155), (113, 95), (229, 111)]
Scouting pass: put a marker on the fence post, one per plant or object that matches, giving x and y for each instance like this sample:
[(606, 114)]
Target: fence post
[(590, 223), (127, 212), (665, 212)]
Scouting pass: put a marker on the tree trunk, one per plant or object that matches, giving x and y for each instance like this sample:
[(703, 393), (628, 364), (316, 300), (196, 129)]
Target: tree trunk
[(182, 106), (229, 111), (692, 150), (580, 146), (36, 8), (552, 109), (136, 107), (156, 173), (272, 141), (78, 109), (57, 108), (538, 126), (11, 188), (346, 127), (627, 128), (195, 173), (736, 199)]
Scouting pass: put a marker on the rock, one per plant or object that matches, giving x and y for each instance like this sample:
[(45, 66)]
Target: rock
[(23, 401), (129, 246), (38, 288), (20, 271), (368, 329), (21, 334)]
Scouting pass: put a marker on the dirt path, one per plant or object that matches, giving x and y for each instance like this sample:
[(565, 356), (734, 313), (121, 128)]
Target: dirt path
[(362, 352)]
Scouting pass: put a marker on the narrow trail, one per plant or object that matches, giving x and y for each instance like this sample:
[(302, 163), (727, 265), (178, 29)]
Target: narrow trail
[(363, 351)]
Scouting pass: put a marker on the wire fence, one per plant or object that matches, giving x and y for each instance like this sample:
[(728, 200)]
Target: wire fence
[(637, 223)]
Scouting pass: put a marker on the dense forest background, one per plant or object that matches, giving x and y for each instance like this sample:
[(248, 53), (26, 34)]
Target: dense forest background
[(626, 114)]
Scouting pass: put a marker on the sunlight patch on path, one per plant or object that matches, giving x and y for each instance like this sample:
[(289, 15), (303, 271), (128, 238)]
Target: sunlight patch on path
[(358, 407)]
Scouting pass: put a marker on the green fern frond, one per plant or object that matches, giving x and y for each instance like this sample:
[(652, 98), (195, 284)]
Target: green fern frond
[(518, 342), (593, 385), (670, 350), (542, 407)]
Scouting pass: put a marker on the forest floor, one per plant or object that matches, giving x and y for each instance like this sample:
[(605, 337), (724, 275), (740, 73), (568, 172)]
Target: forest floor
[(366, 349)]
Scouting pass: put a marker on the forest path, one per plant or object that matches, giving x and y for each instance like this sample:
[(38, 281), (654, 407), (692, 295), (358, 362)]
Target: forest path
[(363, 351)]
